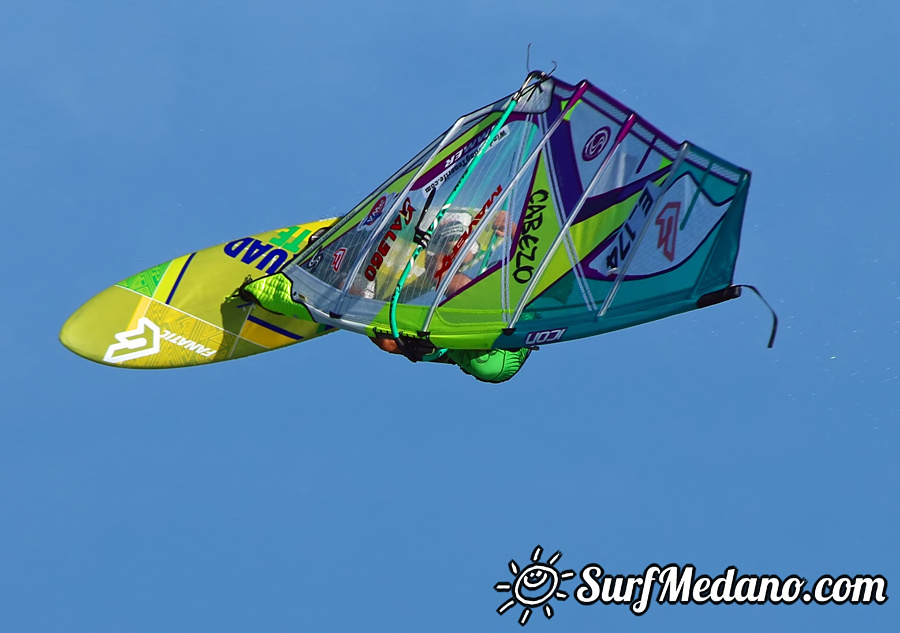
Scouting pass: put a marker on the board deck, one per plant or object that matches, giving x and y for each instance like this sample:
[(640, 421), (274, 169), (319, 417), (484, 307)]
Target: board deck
[(184, 312)]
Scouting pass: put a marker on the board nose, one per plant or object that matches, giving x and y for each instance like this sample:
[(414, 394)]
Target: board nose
[(99, 324), (72, 334)]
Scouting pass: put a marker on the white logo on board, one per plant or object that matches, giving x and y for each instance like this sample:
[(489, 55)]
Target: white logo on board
[(136, 340)]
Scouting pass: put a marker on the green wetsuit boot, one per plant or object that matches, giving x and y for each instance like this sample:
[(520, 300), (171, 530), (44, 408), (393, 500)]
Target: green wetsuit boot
[(493, 365)]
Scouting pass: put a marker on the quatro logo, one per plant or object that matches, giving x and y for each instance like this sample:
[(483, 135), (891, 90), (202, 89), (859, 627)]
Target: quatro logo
[(668, 229), (595, 144), (136, 340)]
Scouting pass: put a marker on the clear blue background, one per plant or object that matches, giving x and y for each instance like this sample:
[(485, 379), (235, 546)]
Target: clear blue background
[(330, 487)]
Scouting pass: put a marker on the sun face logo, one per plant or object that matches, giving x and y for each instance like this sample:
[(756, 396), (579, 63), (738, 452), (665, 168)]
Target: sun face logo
[(534, 586)]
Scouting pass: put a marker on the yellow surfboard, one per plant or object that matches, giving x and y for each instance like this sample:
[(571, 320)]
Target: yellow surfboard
[(185, 312)]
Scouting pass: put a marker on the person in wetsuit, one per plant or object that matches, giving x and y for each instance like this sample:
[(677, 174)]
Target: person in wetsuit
[(486, 365)]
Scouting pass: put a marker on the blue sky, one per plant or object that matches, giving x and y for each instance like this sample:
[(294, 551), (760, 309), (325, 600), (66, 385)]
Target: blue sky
[(332, 487)]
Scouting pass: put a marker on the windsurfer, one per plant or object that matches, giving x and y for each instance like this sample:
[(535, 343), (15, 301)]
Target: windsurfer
[(486, 365)]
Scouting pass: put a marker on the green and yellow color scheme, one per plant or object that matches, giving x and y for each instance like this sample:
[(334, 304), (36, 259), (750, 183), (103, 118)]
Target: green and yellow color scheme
[(186, 312), (547, 216)]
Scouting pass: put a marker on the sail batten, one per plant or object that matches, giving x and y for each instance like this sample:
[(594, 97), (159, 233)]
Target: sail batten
[(578, 217)]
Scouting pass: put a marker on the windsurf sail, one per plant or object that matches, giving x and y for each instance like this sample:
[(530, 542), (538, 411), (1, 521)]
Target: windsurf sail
[(552, 214)]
